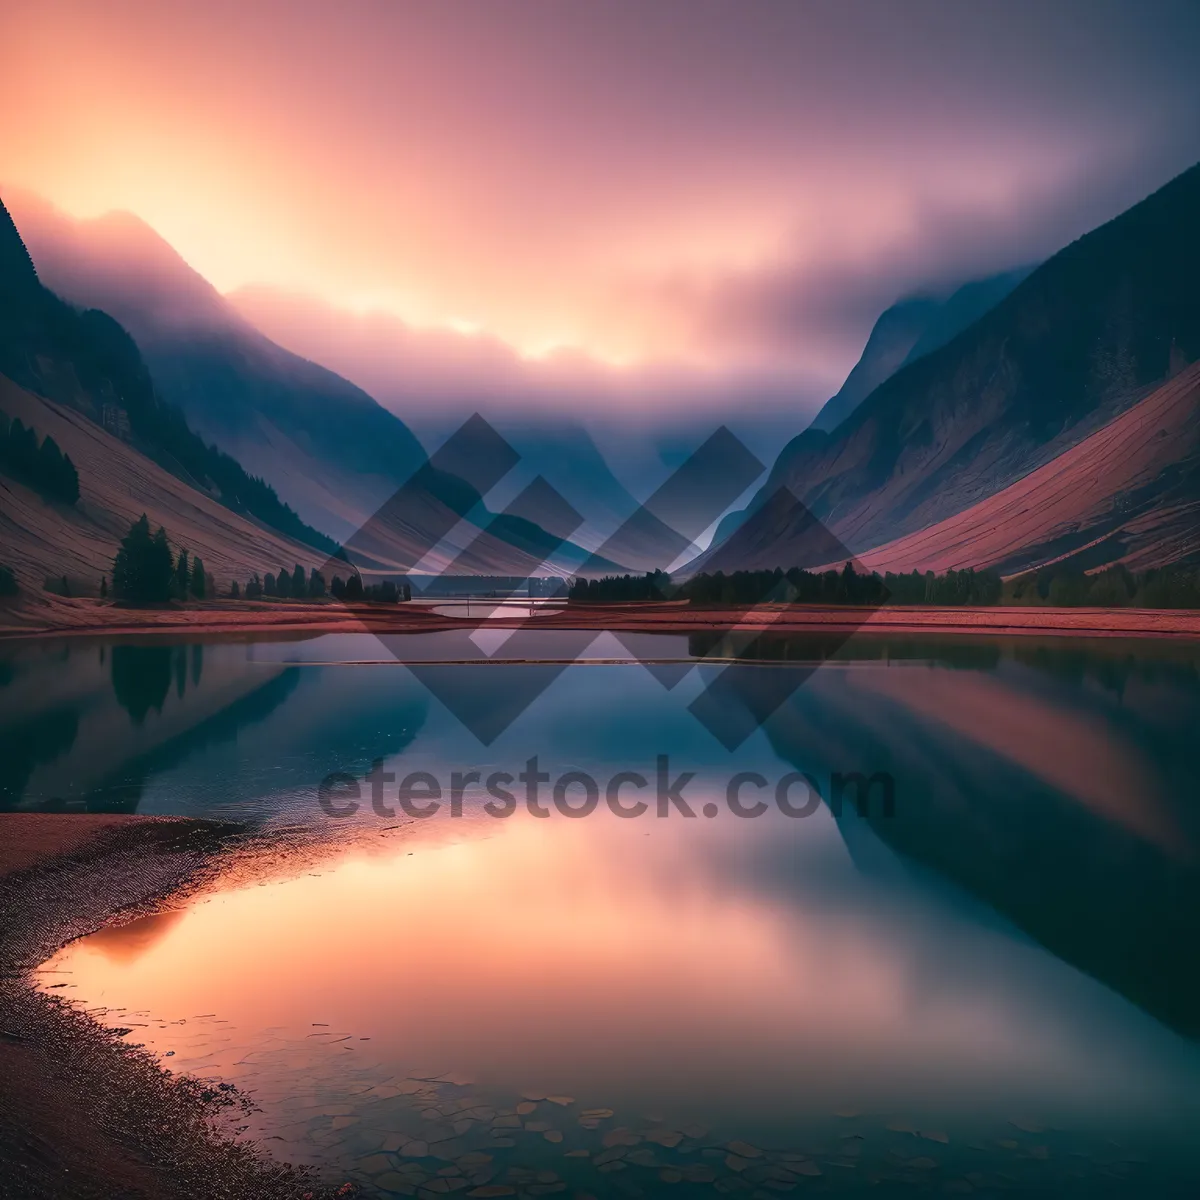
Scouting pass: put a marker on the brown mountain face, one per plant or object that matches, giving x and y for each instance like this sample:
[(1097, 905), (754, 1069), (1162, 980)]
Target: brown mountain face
[(1129, 492), (40, 539), (1084, 338)]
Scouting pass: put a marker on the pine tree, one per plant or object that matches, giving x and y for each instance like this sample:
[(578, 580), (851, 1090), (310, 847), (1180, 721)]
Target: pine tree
[(283, 583), (234, 591), (316, 584), (182, 577), (268, 587), (299, 583), (142, 570), (198, 581)]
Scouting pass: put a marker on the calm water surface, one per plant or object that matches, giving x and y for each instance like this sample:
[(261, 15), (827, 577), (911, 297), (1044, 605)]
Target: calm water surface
[(993, 989)]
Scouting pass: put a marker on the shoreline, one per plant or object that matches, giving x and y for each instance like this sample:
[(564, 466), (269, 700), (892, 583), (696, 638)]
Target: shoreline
[(92, 618), (83, 1113)]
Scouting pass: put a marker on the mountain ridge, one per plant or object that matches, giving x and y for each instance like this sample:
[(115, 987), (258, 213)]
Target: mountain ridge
[(1084, 337)]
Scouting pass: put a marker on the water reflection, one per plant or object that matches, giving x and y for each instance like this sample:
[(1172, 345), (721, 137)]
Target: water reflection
[(633, 972), (1016, 938)]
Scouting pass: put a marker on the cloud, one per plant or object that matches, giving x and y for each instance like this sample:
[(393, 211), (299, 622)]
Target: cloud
[(811, 310)]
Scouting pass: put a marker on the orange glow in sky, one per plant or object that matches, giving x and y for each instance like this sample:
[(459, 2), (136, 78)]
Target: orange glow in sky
[(613, 179)]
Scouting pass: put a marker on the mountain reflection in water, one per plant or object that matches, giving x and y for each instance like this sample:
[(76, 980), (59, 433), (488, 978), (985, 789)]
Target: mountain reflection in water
[(1013, 940)]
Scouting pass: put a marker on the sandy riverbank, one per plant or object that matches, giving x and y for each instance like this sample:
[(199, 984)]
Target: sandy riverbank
[(244, 619), (82, 1113)]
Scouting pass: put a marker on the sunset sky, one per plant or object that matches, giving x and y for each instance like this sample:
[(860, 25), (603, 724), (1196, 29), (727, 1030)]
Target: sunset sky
[(718, 184)]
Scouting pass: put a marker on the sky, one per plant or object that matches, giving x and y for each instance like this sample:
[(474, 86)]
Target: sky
[(721, 186)]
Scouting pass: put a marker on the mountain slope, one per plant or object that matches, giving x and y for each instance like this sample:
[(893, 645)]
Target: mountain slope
[(903, 333), (908, 330), (327, 447), (893, 335), (1129, 492), (117, 484), (441, 377), (87, 360), (1083, 338)]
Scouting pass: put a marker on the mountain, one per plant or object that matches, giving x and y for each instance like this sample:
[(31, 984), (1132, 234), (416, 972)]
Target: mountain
[(117, 483), (87, 361), (909, 329), (903, 333), (897, 331), (1083, 339), (567, 419), (327, 448), (345, 462), (557, 413), (964, 307)]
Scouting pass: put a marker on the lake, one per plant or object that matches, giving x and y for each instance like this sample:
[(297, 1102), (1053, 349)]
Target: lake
[(659, 914)]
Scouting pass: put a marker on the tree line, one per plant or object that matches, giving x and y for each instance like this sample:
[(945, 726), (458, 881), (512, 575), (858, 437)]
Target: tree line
[(1063, 585), (41, 465), (847, 586), (294, 585), (1059, 585), (145, 571)]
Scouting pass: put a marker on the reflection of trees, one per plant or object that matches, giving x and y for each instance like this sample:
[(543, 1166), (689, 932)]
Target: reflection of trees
[(957, 652), (29, 744), (122, 790), (141, 678)]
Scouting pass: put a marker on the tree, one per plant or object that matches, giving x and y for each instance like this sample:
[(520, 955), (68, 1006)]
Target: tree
[(354, 589), (255, 588), (316, 584), (43, 467), (283, 583), (299, 582), (142, 570), (22, 449), (234, 591), (337, 589), (198, 580), (268, 587), (103, 587), (182, 576), (55, 474), (8, 582)]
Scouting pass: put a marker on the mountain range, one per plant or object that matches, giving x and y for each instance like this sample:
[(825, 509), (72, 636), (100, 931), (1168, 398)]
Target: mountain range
[(1018, 420), (337, 457), (76, 376), (1008, 418), (327, 448)]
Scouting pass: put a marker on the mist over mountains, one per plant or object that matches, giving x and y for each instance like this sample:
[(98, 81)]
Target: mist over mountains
[(955, 398), (1092, 334)]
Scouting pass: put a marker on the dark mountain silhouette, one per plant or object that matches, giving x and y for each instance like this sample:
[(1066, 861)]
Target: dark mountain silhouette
[(1088, 335), (897, 331), (964, 307), (87, 360)]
